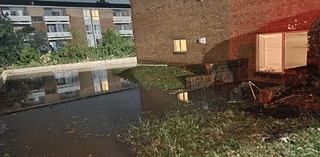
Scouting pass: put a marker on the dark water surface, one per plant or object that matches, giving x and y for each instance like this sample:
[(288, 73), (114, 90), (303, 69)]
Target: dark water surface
[(81, 114)]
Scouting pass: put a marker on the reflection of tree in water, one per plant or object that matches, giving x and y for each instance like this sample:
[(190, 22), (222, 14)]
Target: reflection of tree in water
[(13, 92)]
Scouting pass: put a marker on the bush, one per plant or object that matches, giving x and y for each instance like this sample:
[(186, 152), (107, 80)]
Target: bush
[(314, 40), (28, 55), (116, 44)]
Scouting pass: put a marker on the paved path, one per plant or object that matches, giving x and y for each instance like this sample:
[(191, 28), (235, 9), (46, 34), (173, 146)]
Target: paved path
[(108, 64)]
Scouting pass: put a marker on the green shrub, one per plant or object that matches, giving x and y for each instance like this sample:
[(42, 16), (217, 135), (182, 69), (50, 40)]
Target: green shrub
[(28, 55), (11, 42), (57, 56), (116, 44)]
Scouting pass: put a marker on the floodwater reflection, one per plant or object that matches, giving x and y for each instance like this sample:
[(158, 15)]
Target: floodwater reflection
[(25, 91), (81, 112), (87, 115)]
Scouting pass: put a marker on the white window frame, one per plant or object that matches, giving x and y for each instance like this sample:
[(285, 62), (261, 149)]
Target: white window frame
[(283, 52), (180, 41)]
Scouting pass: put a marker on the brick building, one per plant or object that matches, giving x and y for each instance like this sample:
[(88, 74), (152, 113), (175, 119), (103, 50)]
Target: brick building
[(51, 20), (267, 39)]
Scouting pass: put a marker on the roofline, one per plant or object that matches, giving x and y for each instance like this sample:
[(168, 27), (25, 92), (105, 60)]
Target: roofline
[(65, 4), (35, 6)]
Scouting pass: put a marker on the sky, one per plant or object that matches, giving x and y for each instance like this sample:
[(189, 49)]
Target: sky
[(93, 1)]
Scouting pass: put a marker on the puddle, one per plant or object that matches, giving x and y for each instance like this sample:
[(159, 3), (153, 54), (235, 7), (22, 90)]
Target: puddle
[(76, 112), (80, 112)]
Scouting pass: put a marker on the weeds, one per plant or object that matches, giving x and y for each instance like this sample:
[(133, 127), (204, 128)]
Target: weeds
[(187, 130), (161, 77)]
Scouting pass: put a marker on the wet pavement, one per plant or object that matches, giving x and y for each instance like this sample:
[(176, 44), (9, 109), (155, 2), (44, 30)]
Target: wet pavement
[(81, 112)]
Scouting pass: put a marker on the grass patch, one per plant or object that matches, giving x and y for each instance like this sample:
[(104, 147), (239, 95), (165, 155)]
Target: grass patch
[(186, 130), (1, 70), (162, 77)]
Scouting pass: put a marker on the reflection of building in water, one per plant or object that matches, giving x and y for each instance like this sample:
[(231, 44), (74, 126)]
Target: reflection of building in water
[(86, 83), (100, 79), (55, 86), (50, 87), (67, 83), (114, 82), (35, 96)]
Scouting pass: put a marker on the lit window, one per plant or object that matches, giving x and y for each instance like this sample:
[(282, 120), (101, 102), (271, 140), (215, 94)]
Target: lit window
[(273, 50), (180, 45), (95, 14)]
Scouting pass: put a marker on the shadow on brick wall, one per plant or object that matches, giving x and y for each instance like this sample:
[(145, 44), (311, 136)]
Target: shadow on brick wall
[(219, 53)]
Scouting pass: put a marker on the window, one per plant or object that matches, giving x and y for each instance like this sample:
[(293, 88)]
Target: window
[(36, 18), (52, 13), (280, 51), (51, 28), (59, 28), (120, 12), (95, 14), (47, 13), (97, 29), (86, 14), (12, 12), (180, 45), (88, 28), (122, 27), (65, 27), (55, 13), (99, 41)]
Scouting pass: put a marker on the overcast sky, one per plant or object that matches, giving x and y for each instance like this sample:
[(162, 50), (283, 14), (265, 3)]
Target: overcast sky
[(93, 1)]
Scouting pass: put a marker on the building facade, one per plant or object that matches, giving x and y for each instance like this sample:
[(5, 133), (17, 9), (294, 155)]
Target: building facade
[(52, 20), (268, 36)]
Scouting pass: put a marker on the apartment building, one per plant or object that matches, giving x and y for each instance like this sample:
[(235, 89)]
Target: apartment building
[(266, 38), (52, 20)]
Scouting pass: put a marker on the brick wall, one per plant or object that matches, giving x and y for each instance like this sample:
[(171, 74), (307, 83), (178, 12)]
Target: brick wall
[(106, 19), (230, 28), (234, 71), (76, 19), (35, 11), (251, 17), (157, 23)]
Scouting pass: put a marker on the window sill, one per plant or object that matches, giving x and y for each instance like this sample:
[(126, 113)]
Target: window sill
[(180, 53)]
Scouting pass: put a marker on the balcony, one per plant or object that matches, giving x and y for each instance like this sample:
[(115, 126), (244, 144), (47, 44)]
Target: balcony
[(56, 18), (59, 34), (126, 32), (121, 19), (20, 19)]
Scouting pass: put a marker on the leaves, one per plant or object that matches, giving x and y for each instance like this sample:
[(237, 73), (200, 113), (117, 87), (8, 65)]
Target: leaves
[(11, 41)]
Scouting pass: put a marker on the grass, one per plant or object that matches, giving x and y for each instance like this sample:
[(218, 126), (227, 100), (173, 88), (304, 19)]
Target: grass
[(186, 130), (1, 70), (161, 77)]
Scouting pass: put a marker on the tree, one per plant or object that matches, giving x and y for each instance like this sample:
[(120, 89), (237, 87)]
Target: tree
[(12, 41), (117, 44), (314, 40)]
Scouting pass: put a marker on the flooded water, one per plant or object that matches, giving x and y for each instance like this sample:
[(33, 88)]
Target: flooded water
[(76, 112), (81, 112)]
